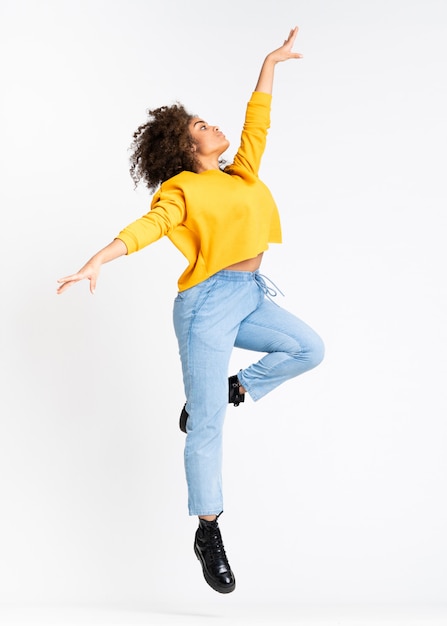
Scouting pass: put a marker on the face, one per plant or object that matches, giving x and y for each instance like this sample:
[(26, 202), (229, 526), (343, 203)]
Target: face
[(209, 140)]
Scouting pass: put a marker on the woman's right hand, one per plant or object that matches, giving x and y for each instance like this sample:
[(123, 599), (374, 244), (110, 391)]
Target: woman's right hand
[(90, 271)]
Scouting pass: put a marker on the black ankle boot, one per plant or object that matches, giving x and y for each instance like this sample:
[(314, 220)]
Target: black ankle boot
[(183, 418), (234, 397), (210, 551), (233, 391)]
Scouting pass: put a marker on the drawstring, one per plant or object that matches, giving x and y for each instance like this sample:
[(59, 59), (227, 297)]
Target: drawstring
[(269, 291)]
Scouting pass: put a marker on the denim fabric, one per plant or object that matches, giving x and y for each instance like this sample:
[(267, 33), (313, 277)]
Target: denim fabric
[(226, 310)]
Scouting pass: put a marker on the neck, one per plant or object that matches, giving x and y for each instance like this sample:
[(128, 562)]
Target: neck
[(207, 164)]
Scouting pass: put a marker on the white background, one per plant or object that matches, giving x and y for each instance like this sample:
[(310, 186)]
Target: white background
[(335, 484)]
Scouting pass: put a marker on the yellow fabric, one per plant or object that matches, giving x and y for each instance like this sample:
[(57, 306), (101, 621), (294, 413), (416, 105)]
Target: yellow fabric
[(215, 218)]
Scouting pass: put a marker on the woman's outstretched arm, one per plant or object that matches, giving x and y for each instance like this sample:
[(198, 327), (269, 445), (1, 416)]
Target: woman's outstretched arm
[(91, 269), (284, 53)]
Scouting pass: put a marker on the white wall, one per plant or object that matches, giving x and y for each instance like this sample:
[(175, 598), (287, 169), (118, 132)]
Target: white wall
[(335, 484)]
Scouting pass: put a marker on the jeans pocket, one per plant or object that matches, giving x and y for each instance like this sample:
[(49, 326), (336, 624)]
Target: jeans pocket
[(194, 297)]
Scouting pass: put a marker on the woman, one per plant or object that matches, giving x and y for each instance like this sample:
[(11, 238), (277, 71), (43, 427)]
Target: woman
[(222, 220)]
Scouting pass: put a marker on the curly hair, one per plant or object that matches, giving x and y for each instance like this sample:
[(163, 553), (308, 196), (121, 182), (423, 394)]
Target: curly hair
[(162, 147)]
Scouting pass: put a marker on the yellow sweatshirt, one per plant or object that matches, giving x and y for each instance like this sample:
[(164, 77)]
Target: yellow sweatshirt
[(215, 218)]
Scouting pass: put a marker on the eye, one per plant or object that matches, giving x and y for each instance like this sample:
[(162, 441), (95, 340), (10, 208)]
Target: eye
[(203, 127)]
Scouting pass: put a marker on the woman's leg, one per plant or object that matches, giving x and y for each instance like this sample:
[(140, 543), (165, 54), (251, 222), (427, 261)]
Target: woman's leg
[(206, 320), (292, 348)]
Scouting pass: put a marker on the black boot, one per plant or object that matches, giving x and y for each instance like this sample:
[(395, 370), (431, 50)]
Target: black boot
[(234, 397), (233, 391), (210, 551), (183, 417)]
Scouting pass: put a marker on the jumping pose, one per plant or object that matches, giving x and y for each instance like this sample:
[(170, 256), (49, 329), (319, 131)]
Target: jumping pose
[(222, 219)]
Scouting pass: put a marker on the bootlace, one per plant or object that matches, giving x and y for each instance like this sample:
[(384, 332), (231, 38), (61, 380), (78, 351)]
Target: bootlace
[(236, 397), (217, 550)]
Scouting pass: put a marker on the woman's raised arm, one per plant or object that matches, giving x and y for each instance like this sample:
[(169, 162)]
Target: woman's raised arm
[(284, 53)]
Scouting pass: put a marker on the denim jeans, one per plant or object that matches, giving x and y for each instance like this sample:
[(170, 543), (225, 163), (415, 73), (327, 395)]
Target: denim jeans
[(226, 310)]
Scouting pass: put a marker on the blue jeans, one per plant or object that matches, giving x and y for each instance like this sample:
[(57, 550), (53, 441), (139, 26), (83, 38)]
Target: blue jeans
[(226, 310)]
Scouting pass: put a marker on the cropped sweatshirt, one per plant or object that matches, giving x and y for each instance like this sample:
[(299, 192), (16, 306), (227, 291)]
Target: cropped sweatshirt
[(217, 217)]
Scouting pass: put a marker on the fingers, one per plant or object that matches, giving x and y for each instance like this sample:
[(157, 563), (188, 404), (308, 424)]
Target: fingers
[(64, 286), (72, 277), (285, 51), (68, 281), (292, 36), (289, 44)]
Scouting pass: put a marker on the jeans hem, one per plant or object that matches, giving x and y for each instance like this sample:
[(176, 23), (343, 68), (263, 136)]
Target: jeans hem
[(212, 510)]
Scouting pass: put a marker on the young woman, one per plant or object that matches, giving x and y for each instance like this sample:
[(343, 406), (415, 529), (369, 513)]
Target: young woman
[(222, 220)]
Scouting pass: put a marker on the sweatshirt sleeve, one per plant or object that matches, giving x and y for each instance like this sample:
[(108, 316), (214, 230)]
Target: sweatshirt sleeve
[(167, 212), (254, 133)]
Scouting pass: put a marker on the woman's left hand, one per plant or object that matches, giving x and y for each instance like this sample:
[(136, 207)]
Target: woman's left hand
[(284, 53)]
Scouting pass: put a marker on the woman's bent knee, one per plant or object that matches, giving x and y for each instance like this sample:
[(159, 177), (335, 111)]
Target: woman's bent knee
[(310, 354), (317, 351)]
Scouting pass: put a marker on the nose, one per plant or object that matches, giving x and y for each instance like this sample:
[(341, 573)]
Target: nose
[(216, 129)]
